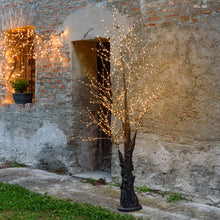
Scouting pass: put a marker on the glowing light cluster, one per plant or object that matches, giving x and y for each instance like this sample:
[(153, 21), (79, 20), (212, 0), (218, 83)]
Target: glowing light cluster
[(49, 45), (19, 50), (124, 94), (19, 44), (22, 45)]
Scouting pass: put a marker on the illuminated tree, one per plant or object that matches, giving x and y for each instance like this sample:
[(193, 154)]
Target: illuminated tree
[(122, 97)]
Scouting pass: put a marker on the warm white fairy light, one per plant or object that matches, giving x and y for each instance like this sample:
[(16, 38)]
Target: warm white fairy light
[(19, 45), (19, 48), (49, 46), (18, 39), (123, 98)]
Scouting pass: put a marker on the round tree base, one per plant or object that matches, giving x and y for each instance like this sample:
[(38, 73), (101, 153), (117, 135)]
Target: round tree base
[(130, 209)]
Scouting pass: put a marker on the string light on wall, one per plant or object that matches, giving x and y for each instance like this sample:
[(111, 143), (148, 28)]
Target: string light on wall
[(21, 46), (49, 45), (17, 42), (19, 50)]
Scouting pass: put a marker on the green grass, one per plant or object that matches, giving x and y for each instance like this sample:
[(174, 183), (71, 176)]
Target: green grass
[(169, 195), (89, 180), (16, 164), (173, 197), (115, 184), (143, 189), (17, 202)]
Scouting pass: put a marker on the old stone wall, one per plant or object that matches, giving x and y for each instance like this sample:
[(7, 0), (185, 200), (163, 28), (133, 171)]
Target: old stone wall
[(186, 116), (178, 143)]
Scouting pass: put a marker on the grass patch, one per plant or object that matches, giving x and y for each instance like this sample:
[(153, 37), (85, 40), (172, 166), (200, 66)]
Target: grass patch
[(16, 164), (115, 184), (94, 182), (17, 202), (143, 189), (89, 180), (174, 197), (169, 195)]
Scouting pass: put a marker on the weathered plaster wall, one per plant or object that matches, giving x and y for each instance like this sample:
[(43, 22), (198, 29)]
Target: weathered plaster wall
[(178, 143), (36, 136)]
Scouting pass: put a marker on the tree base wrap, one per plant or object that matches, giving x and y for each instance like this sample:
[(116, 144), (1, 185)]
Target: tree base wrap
[(129, 200)]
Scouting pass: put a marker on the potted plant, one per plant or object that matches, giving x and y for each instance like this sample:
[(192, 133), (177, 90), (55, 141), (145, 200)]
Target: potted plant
[(20, 87)]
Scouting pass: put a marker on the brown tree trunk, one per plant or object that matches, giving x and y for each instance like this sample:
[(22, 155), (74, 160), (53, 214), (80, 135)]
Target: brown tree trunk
[(128, 201)]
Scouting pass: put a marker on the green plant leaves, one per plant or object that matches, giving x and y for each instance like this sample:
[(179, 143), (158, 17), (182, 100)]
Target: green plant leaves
[(19, 85)]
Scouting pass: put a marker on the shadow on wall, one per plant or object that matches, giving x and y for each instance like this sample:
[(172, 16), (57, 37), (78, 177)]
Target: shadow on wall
[(49, 160)]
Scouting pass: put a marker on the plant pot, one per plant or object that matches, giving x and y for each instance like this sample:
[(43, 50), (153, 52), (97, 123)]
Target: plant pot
[(23, 98)]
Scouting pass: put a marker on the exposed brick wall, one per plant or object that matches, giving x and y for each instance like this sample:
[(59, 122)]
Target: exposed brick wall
[(53, 77), (179, 11)]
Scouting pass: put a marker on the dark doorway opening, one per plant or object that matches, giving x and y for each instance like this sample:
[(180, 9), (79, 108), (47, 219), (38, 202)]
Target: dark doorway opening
[(104, 144), (92, 156)]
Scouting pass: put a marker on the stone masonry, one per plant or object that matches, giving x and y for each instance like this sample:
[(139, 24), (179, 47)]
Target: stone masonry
[(178, 144)]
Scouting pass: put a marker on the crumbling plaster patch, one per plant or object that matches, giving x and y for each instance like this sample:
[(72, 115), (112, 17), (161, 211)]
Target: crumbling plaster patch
[(20, 148)]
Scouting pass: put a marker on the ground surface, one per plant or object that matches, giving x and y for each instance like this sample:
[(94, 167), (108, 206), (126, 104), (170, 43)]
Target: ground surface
[(107, 196)]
